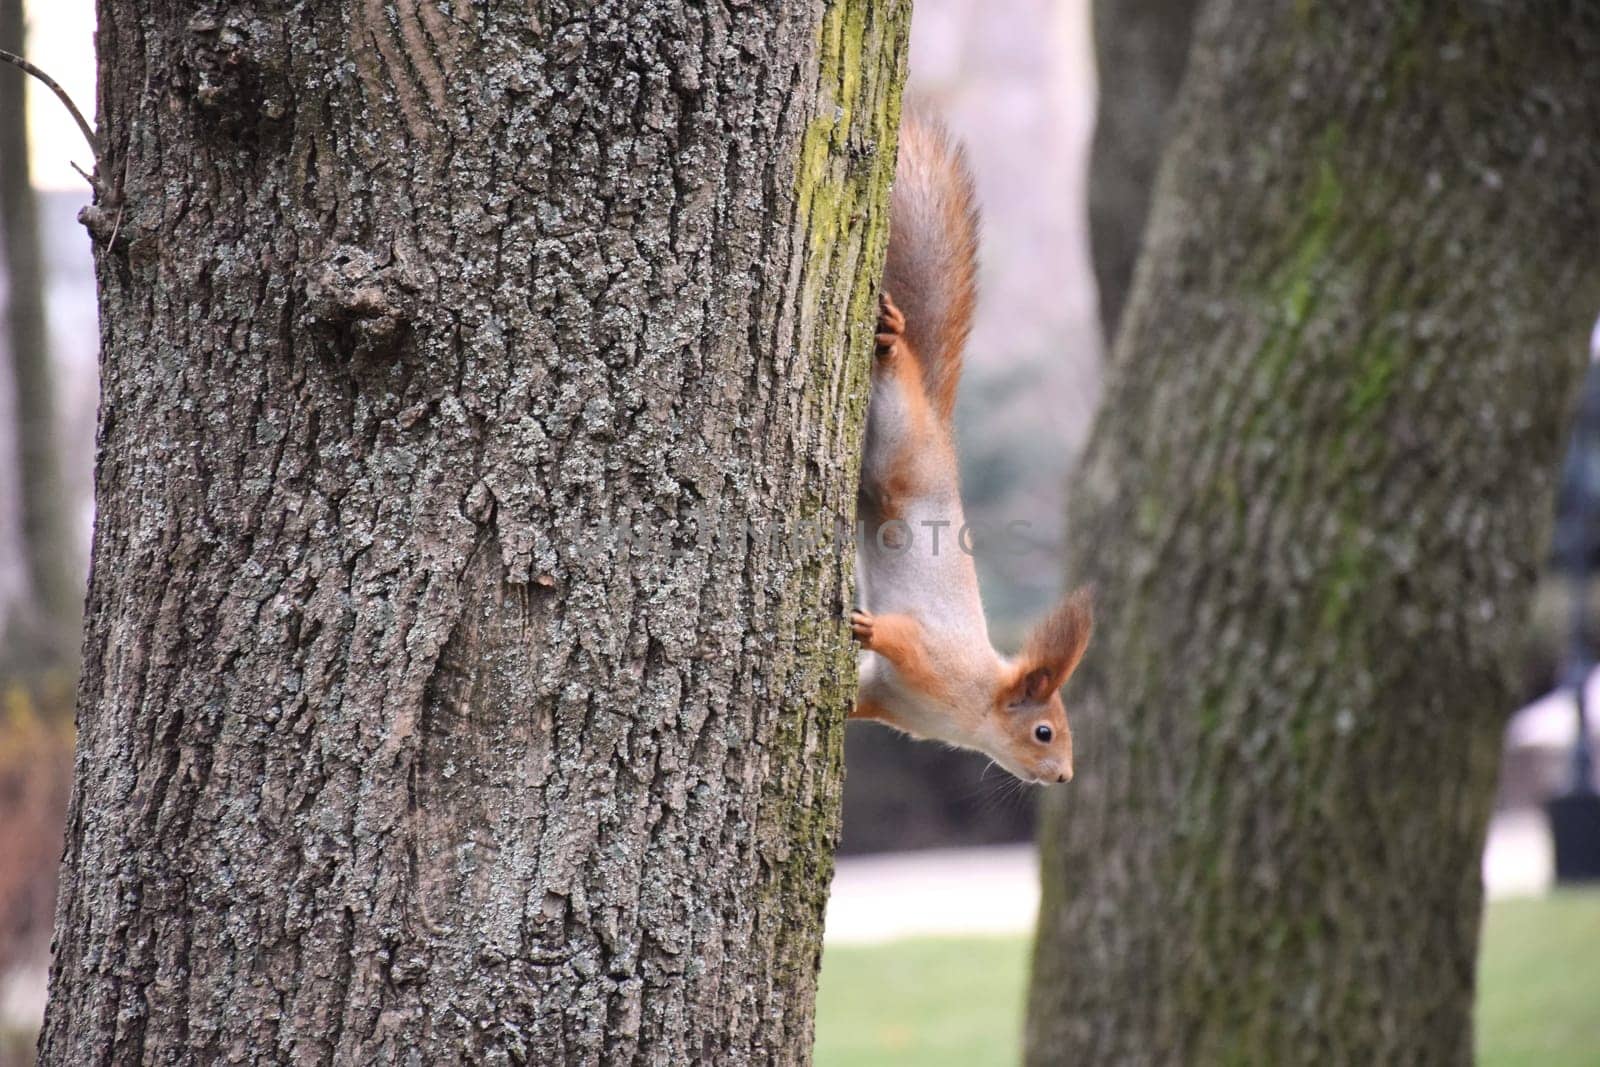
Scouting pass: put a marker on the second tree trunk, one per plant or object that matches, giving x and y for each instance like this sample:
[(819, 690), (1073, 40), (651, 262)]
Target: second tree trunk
[(1313, 504)]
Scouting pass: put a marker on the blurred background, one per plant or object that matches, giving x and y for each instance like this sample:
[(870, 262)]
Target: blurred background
[(937, 883)]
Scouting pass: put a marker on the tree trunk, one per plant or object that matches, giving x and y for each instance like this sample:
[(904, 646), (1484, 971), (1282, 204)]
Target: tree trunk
[(425, 717), (42, 632), (1141, 49), (1314, 504)]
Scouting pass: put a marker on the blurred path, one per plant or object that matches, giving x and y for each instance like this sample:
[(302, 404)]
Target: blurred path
[(965, 892), (995, 890)]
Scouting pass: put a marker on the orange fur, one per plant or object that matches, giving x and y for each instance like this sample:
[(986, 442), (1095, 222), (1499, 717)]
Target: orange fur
[(899, 639), (932, 265), (1054, 646), (927, 666), (911, 470)]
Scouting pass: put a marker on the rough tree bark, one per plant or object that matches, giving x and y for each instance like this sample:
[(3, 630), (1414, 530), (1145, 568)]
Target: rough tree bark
[(1313, 505), (1141, 48), (393, 747), (42, 631)]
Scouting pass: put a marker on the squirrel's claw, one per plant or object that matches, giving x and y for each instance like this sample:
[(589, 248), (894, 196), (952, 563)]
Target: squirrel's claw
[(861, 627), (891, 325)]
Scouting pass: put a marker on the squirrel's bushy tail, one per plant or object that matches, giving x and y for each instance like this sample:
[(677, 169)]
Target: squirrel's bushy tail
[(932, 268)]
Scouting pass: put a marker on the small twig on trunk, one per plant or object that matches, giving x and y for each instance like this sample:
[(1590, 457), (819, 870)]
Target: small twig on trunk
[(61, 94)]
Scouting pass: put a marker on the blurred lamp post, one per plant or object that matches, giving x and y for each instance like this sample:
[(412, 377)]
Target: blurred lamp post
[(1575, 812)]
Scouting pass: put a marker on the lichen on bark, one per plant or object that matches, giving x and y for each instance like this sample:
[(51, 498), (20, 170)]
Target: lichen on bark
[(417, 721), (1313, 505)]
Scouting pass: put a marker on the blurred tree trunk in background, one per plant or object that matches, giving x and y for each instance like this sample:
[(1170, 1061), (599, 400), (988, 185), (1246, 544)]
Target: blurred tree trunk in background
[(1313, 504), (390, 749), (41, 633), (1141, 49)]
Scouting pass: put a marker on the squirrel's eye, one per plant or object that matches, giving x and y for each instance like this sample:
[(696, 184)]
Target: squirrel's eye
[(1043, 733)]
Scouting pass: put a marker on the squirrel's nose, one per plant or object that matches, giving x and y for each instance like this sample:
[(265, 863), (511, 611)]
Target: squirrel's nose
[(1065, 776)]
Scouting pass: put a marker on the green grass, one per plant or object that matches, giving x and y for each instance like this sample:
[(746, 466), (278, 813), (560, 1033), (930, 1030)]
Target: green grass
[(1539, 982), (959, 1002), (929, 1003)]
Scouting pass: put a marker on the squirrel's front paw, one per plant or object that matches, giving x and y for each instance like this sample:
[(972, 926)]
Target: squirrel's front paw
[(861, 627), (891, 326)]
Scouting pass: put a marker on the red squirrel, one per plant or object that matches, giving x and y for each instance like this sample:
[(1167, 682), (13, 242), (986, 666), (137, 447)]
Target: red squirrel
[(927, 666)]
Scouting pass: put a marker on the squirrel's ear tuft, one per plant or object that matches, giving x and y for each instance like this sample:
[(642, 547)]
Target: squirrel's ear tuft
[(1031, 687), (1054, 646)]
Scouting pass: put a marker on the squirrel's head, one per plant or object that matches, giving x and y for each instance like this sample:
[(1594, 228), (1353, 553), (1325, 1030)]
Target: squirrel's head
[(1035, 741)]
